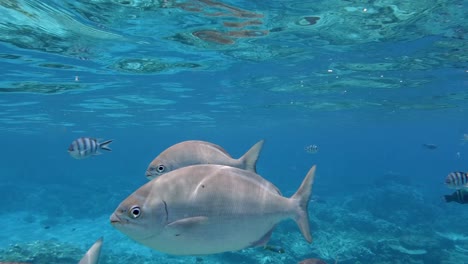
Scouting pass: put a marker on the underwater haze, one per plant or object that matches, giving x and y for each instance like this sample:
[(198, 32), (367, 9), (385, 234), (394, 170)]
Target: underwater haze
[(379, 87)]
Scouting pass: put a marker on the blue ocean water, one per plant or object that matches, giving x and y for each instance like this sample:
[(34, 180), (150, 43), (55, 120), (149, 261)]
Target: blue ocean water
[(368, 82)]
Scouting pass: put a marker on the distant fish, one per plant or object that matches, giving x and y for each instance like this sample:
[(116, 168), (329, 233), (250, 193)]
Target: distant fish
[(464, 138), (195, 152), (276, 249), (430, 146), (457, 180), (312, 149), (84, 147), (459, 196), (92, 256)]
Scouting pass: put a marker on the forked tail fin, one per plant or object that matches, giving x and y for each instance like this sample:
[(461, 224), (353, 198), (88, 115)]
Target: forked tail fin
[(302, 196), (251, 156), (448, 198), (105, 145)]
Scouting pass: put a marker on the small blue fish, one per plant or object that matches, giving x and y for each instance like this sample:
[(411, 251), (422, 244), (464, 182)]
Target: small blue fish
[(457, 180), (84, 147)]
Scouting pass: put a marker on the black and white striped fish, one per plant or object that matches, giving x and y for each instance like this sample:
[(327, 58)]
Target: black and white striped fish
[(457, 180), (459, 196), (84, 147)]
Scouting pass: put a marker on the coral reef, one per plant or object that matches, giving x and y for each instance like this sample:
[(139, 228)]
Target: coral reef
[(41, 252)]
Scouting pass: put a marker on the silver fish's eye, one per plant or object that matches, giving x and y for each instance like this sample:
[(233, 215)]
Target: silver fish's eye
[(135, 212), (161, 168)]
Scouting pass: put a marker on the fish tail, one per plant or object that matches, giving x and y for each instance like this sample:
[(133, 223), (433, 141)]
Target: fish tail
[(249, 159), (104, 145), (302, 196), (92, 256), (448, 198)]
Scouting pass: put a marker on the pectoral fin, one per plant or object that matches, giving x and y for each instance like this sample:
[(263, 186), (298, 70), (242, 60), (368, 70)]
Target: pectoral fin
[(187, 224)]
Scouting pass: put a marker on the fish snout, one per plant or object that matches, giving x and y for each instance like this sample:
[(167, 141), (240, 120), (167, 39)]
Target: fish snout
[(150, 175), (114, 219)]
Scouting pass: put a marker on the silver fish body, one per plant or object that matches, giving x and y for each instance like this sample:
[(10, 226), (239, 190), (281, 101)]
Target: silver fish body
[(93, 253), (207, 209), (457, 180), (194, 152), (85, 147)]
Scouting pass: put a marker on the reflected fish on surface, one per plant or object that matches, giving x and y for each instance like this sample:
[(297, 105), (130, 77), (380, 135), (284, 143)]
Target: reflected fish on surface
[(457, 180), (85, 147), (208, 209), (194, 152), (459, 196)]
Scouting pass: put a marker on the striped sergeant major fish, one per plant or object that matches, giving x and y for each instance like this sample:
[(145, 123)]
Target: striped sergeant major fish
[(457, 180), (459, 196), (84, 147)]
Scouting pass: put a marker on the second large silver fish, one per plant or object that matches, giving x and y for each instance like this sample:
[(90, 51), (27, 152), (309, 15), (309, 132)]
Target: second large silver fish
[(194, 152)]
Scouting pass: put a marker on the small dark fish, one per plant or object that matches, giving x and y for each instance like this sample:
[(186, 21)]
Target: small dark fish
[(312, 149), (459, 196), (312, 261), (457, 180), (84, 147), (430, 146), (276, 249)]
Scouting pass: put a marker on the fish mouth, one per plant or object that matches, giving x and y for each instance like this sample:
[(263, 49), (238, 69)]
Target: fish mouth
[(114, 219)]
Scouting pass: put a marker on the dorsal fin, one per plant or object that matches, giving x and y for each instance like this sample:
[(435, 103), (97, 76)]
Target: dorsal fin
[(249, 159)]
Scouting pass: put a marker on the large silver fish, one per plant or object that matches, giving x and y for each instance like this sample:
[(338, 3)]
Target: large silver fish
[(207, 209), (92, 256), (85, 147), (194, 152)]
